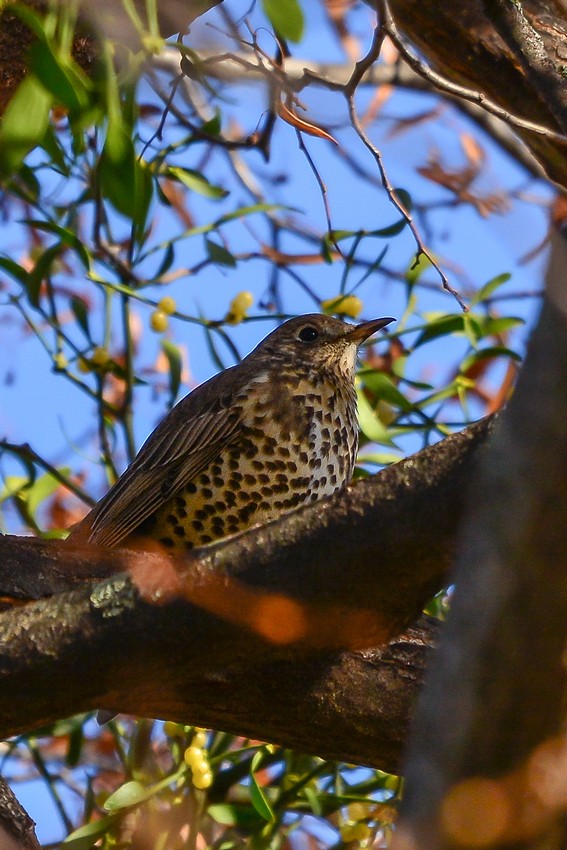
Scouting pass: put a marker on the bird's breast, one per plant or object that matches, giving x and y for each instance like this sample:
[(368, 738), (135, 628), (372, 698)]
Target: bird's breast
[(297, 443)]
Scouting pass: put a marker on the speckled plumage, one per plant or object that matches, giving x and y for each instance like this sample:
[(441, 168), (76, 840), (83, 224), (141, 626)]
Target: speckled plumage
[(276, 431)]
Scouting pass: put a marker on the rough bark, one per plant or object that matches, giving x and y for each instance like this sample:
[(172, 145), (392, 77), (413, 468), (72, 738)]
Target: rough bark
[(16, 827), (276, 604)]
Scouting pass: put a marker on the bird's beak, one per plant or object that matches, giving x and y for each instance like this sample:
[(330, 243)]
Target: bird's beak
[(361, 332)]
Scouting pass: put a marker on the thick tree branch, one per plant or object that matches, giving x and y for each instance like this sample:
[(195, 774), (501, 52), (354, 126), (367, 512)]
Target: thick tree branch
[(488, 765), (16, 827), (276, 602)]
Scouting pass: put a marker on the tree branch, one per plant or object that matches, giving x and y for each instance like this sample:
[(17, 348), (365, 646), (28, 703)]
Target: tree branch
[(274, 607)]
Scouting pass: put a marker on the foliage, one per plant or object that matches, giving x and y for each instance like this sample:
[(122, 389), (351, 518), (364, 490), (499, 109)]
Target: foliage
[(140, 199)]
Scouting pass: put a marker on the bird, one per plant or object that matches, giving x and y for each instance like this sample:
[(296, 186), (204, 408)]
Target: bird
[(275, 431)]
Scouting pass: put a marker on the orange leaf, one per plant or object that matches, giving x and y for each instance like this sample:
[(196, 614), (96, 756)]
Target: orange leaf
[(291, 118)]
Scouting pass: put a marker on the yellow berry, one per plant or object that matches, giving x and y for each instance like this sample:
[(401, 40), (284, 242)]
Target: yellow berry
[(345, 305), (203, 780), (100, 357), (347, 832), (357, 811), (241, 302), (199, 739), (200, 767), (173, 730), (361, 831), (193, 755), (60, 361), (83, 365), (159, 321), (234, 318), (167, 304)]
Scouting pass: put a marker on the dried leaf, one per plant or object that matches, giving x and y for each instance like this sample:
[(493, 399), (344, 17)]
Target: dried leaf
[(290, 117), (474, 152)]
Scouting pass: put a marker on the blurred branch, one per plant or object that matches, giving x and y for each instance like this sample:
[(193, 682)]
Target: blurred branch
[(491, 722)]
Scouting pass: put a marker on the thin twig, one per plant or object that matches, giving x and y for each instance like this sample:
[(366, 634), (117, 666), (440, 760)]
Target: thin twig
[(25, 451), (399, 205), (127, 412), (321, 184), (105, 449)]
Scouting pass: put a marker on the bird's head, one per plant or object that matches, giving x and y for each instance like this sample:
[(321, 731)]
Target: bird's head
[(318, 342)]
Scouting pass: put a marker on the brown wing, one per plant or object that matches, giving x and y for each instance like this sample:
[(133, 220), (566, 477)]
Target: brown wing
[(181, 447)]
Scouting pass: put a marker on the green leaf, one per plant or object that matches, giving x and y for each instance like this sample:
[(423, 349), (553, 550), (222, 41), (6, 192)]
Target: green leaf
[(13, 485), (219, 254), (252, 208), (444, 325), (41, 489), (124, 179), (75, 746), (404, 198), (175, 363), (167, 261), (494, 326), (258, 797), (196, 182), (391, 230), (41, 270), (130, 794), (15, 270), (286, 17), (370, 424), (379, 458), (24, 123), (441, 395), (234, 814), (420, 264), (384, 387), (116, 170), (326, 254), (213, 125), (486, 291), (57, 74), (54, 149), (85, 837), (81, 314), (312, 798), (488, 354), (66, 236)]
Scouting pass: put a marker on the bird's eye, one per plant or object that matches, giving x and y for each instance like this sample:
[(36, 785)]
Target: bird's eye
[(308, 334)]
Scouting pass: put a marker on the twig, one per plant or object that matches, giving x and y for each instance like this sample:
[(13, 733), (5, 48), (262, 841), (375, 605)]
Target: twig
[(25, 451), (322, 186), (399, 205)]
